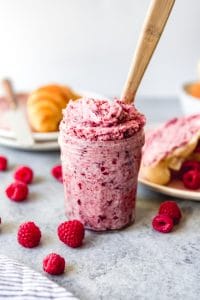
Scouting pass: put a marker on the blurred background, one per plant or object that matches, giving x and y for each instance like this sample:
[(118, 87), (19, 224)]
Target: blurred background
[(89, 44)]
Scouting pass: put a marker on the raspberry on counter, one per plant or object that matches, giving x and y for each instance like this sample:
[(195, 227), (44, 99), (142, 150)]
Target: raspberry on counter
[(24, 174), (54, 264), (29, 235), (56, 172), (162, 223), (171, 209), (3, 163), (71, 233), (17, 191)]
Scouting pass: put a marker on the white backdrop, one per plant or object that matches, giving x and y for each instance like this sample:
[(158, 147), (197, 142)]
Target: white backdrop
[(89, 44)]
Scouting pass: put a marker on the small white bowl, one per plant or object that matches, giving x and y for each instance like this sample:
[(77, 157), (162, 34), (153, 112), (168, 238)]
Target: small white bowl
[(190, 104)]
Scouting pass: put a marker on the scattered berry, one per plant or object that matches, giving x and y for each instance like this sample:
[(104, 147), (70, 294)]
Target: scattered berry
[(71, 233), (29, 235), (189, 165), (3, 163), (54, 264), (57, 173), (191, 179), (24, 174), (17, 191), (171, 209), (162, 223)]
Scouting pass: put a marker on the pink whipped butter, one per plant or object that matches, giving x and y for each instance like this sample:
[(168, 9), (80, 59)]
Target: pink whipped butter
[(172, 135), (101, 145)]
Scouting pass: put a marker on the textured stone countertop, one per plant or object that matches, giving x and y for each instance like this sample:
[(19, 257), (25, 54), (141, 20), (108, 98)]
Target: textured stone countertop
[(135, 263)]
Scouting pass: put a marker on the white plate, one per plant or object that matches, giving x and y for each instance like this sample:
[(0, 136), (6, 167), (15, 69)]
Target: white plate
[(174, 188), (43, 141), (37, 146), (38, 136)]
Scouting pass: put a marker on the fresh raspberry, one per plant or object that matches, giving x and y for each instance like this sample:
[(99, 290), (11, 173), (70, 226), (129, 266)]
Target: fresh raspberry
[(189, 165), (56, 171), (170, 209), (17, 191), (3, 163), (29, 235), (71, 233), (191, 179), (24, 174), (162, 223), (54, 264)]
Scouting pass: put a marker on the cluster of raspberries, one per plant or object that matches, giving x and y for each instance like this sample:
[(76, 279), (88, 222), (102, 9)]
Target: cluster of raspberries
[(189, 174), (169, 214), (70, 233), (18, 190), (29, 234)]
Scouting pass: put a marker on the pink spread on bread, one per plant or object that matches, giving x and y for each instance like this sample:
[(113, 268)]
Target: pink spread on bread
[(167, 147)]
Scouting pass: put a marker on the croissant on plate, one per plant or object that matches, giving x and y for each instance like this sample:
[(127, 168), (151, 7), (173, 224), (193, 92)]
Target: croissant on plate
[(44, 106)]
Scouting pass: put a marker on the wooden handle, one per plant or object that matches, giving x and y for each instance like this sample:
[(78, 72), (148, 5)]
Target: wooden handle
[(155, 21), (9, 92)]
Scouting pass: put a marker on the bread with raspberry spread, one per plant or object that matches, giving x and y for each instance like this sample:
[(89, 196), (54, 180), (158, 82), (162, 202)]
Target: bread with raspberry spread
[(169, 146)]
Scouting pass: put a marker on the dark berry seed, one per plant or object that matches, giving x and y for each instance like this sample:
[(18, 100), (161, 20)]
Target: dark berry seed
[(102, 217)]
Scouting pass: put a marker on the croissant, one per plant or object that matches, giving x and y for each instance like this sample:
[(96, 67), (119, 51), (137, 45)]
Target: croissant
[(44, 106)]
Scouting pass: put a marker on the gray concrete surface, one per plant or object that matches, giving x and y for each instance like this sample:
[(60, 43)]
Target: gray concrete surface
[(135, 263)]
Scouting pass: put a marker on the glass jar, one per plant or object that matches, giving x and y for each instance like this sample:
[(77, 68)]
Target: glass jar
[(100, 180)]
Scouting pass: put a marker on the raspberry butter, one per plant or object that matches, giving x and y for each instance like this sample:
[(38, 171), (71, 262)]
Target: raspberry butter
[(101, 145)]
